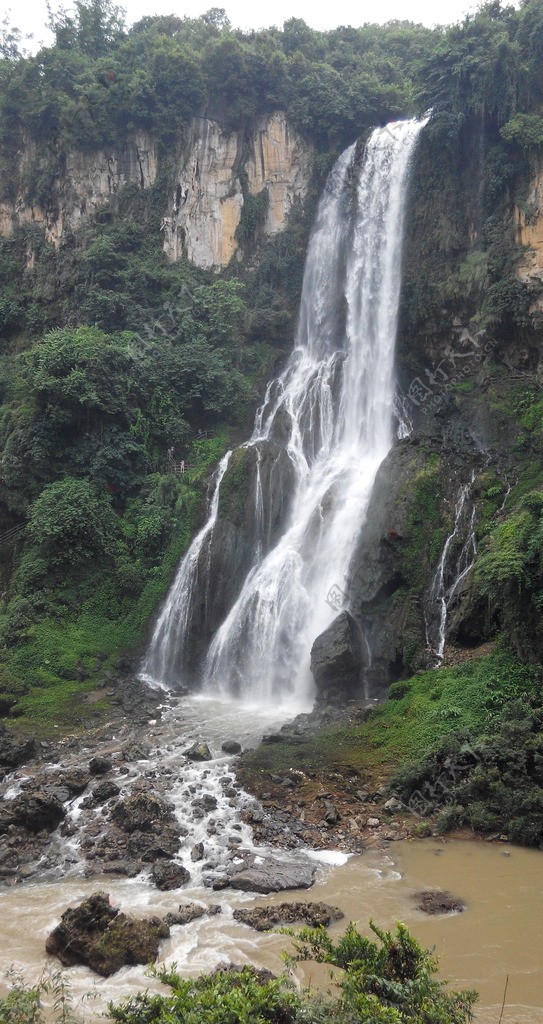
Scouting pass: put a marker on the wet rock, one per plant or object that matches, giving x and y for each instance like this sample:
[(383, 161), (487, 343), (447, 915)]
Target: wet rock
[(188, 912), (197, 853), (105, 790), (15, 750), (100, 765), (34, 811), (198, 752), (231, 747), (136, 752), (337, 659), (312, 914), (151, 846), (100, 937), (436, 901), (169, 876), (141, 812), (271, 876), (124, 664), (76, 780)]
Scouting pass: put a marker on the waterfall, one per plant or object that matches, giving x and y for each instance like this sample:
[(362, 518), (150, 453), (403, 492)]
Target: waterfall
[(332, 411), (450, 572), (160, 663)]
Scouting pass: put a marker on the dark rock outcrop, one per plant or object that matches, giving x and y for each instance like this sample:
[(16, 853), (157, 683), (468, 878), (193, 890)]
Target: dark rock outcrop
[(198, 752), (142, 812), (313, 914), (435, 901), (167, 876), (35, 811), (99, 765), (231, 747), (14, 750), (337, 660), (100, 937)]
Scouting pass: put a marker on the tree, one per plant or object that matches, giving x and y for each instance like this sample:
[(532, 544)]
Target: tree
[(71, 521)]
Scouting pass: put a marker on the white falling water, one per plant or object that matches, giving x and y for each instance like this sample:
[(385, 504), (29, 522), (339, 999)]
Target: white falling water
[(336, 399), (172, 620), (444, 587)]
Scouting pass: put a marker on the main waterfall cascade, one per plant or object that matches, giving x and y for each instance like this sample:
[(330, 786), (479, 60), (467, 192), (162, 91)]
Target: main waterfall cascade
[(332, 410)]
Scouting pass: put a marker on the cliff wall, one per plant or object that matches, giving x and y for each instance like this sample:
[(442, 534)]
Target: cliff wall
[(82, 183), (215, 173)]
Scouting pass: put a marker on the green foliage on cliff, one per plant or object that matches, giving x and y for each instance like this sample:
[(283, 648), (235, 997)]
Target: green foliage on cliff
[(99, 81)]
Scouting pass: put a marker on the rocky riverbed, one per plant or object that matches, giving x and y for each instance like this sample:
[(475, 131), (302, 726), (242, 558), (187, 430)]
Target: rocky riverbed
[(136, 795)]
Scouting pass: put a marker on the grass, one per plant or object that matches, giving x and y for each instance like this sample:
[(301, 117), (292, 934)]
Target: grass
[(467, 697)]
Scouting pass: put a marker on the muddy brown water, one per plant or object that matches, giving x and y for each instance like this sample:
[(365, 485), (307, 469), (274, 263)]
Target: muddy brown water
[(499, 934)]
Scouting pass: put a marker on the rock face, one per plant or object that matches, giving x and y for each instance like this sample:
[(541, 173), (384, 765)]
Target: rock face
[(238, 535), (208, 198), (529, 233), (97, 935), (83, 183)]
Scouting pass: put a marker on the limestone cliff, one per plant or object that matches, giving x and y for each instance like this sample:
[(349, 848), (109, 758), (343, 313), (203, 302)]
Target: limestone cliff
[(83, 182), (529, 233), (216, 172), (214, 175)]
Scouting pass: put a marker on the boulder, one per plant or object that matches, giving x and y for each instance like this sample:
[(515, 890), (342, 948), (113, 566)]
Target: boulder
[(36, 811), (337, 660), (100, 765), (231, 747), (198, 752), (75, 779), (167, 876), (188, 912), (15, 750), (436, 901), (313, 914), (270, 876), (142, 812), (100, 937), (105, 790)]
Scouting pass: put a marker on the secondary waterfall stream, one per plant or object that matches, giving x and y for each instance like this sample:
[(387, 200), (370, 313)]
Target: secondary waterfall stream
[(331, 411)]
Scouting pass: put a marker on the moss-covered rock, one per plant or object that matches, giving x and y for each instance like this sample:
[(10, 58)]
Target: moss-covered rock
[(97, 935)]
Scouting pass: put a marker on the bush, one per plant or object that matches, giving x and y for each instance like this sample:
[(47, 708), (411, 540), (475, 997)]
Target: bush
[(71, 521)]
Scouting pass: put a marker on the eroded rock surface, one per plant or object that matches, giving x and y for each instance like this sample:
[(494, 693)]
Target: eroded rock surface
[(312, 914), (436, 901), (97, 935)]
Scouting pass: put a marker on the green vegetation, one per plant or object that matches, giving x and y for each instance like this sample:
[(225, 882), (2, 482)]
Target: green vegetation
[(388, 981), (464, 743)]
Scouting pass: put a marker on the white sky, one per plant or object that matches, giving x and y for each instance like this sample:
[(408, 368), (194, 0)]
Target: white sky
[(30, 15)]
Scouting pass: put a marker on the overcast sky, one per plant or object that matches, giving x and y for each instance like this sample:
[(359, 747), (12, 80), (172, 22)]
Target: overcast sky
[(31, 15)]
